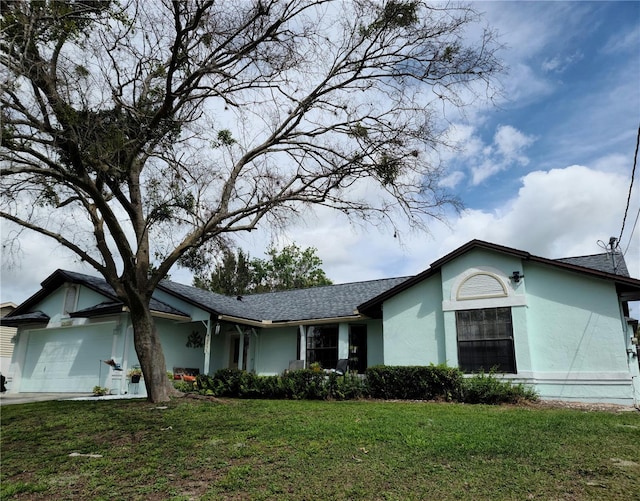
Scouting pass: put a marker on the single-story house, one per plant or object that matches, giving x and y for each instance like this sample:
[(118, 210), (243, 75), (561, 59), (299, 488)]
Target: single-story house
[(560, 325)]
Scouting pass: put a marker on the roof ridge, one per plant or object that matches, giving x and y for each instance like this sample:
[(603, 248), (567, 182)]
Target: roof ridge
[(316, 287), (590, 255)]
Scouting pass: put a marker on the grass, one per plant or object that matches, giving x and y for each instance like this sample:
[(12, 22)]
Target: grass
[(295, 450)]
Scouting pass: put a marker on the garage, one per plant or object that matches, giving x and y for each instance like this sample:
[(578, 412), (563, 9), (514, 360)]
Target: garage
[(67, 359)]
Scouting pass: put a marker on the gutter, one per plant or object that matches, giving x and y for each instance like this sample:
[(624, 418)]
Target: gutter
[(270, 324)]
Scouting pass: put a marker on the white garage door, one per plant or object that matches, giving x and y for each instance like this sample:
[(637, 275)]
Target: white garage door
[(67, 360)]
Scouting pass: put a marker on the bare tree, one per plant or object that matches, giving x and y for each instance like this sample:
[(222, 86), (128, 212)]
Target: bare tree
[(135, 132)]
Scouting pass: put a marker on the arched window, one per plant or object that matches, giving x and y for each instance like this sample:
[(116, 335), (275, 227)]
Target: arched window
[(481, 285), (483, 323)]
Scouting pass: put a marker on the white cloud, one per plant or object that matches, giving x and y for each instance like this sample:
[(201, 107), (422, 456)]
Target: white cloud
[(559, 213), (506, 151), (624, 41), (453, 179), (559, 64), (511, 143)]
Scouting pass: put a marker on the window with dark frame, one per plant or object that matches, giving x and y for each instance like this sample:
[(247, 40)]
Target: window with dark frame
[(358, 348), (485, 340), (322, 346)]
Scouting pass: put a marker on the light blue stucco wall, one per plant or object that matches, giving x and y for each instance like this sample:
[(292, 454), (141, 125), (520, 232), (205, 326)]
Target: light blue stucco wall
[(578, 337), (375, 342), (414, 325), (570, 339), (274, 349), (52, 304)]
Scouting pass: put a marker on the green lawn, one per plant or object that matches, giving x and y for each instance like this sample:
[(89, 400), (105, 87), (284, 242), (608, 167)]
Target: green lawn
[(252, 449)]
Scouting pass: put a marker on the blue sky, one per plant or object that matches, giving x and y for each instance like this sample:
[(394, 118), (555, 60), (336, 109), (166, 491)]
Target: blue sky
[(546, 170)]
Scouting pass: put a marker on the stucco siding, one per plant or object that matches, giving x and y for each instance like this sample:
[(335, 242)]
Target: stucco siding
[(276, 348), (375, 343), (174, 337), (574, 323), (414, 325), (52, 304), (86, 298)]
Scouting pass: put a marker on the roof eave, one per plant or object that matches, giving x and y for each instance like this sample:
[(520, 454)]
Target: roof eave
[(271, 324)]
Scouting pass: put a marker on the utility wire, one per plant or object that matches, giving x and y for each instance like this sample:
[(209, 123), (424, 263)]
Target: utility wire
[(632, 230), (633, 171)]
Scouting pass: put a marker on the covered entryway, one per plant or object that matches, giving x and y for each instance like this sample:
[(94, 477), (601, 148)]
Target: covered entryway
[(67, 359)]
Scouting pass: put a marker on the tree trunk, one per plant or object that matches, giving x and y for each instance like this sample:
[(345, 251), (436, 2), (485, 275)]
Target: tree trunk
[(148, 348)]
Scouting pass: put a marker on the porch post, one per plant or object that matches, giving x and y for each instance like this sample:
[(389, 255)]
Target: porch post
[(303, 344), (207, 346), (343, 340), (241, 348)]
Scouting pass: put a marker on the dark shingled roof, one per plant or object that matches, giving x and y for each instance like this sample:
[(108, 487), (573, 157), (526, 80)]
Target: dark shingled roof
[(100, 285), (329, 301), (606, 262), (209, 301), (35, 317)]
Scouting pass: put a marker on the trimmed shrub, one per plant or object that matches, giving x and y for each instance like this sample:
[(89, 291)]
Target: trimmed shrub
[(432, 382), (414, 382), (488, 389), (348, 387), (304, 384)]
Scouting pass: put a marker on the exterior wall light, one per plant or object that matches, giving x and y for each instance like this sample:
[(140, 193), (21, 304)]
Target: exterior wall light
[(516, 277)]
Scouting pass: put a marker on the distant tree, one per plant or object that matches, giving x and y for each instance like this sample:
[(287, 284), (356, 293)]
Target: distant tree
[(232, 276), (136, 131), (289, 268)]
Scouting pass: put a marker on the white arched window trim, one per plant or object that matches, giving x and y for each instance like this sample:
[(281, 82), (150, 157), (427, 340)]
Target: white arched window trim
[(491, 299)]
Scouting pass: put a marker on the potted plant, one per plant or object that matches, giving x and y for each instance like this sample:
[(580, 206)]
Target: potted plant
[(135, 374), (99, 391)]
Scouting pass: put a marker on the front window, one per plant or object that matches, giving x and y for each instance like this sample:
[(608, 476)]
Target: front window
[(322, 346), (485, 340)]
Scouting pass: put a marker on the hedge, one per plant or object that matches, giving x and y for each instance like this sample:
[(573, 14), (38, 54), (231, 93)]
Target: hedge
[(432, 382)]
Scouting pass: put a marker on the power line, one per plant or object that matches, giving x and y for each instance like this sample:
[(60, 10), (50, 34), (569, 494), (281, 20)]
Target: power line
[(632, 230), (633, 171)]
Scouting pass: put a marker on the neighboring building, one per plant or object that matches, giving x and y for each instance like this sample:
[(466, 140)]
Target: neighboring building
[(561, 326), (6, 339)]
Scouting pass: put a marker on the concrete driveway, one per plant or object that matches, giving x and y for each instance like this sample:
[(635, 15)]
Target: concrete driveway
[(25, 398)]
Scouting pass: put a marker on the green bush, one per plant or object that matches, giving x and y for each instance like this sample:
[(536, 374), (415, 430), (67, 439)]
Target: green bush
[(415, 382), (304, 384), (348, 387), (484, 388), (432, 382)]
